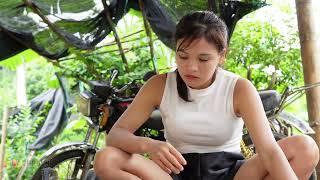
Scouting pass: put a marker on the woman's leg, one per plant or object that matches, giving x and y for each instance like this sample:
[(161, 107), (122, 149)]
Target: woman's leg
[(114, 164), (301, 151)]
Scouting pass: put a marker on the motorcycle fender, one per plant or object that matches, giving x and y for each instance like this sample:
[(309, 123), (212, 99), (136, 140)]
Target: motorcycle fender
[(298, 123), (67, 146)]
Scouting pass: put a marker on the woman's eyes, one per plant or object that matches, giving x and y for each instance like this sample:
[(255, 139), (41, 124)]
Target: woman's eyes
[(201, 59), (183, 57)]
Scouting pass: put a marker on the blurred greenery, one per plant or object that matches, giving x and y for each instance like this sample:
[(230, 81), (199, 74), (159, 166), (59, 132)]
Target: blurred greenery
[(269, 59), (259, 50), (21, 133)]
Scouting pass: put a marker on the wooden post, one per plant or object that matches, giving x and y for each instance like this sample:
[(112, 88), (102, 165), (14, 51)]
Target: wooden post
[(149, 35), (3, 139), (115, 34), (21, 85), (311, 62)]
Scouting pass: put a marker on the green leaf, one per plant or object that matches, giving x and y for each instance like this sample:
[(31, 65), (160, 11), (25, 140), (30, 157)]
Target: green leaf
[(53, 83), (26, 56)]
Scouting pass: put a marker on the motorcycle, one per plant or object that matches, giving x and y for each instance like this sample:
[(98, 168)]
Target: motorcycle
[(103, 104)]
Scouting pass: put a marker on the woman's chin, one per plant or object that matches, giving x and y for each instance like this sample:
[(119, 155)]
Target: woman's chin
[(193, 85)]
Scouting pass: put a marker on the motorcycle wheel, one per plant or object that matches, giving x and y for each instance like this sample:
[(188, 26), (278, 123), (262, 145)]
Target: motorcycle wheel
[(66, 165)]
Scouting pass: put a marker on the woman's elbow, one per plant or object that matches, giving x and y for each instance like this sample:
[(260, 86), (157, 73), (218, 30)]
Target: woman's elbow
[(111, 136)]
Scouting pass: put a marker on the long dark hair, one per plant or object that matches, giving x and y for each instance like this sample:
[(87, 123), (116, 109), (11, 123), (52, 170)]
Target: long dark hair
[(200, 24)]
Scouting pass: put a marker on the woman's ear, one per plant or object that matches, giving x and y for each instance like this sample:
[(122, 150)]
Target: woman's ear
[(222, 57)]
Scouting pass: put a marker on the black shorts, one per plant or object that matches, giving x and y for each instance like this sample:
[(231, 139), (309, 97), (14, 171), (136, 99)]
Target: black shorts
[(210, 166)]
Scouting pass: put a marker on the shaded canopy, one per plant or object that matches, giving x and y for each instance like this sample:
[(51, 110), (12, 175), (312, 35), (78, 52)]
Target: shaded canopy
[(50, 27)]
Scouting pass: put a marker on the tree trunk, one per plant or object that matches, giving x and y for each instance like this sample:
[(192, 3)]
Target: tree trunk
[(311, 62), (3, 139)]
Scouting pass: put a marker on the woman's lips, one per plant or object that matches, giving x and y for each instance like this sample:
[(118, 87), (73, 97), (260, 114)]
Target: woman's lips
[(191, 77)]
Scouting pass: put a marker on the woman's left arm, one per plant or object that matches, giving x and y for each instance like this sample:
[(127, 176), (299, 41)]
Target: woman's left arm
[(248, 105)]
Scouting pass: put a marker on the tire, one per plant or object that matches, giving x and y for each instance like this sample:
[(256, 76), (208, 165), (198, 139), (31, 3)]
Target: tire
[(248, 142), (60, 160)]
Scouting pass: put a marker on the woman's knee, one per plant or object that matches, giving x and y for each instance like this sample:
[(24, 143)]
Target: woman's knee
[(107, 159), (308, 148)]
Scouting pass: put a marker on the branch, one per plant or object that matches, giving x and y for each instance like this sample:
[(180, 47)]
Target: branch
[(149, 34), (107, 13), (114, 42), (56, 30)]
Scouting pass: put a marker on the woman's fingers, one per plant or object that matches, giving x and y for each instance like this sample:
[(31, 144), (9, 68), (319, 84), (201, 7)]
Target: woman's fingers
[(177, 155), (169, 165), (168, 158), (173, 160), (162, 166)]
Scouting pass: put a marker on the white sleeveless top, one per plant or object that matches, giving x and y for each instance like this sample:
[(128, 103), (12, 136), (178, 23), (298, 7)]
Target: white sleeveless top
[(208, 123)]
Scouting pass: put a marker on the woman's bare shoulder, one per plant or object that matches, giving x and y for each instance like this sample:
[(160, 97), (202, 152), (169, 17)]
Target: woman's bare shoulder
[(243, 89), (155, 87)]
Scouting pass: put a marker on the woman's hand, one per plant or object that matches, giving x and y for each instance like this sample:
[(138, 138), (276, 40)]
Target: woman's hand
[(166, 156)]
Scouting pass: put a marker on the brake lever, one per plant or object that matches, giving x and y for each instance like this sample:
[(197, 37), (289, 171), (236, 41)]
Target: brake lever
[(113, 76)]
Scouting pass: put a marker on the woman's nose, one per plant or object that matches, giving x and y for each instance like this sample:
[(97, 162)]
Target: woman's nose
[(192, 66)]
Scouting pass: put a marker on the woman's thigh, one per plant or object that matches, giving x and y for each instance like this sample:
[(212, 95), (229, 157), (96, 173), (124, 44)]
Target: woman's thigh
[(300, 147), (112, 160)]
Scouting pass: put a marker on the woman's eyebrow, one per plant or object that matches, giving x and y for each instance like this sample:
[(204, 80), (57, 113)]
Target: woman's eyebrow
[(205, 54)]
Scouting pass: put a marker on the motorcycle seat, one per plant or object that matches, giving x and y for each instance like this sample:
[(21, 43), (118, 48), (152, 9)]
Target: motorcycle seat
[(270, 99)]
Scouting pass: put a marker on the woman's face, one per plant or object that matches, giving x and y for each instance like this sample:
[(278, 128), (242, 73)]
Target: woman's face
[(198, 62)]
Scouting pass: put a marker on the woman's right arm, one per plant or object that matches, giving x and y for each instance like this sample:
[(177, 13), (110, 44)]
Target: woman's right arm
[(149, 97), (121, 134)]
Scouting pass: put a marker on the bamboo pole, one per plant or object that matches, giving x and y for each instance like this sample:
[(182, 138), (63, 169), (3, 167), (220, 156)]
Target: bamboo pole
[(311, 62), (55, 29), (21, 85), (115, 34), (3, 139), (149, 34)]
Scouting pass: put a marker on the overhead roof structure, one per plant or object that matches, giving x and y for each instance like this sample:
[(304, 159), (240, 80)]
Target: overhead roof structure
[(50, 27)]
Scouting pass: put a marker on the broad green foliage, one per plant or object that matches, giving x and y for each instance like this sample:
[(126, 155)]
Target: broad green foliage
[(24, 57), (177, 8), (65, 6), (96, 65), (259, 52)]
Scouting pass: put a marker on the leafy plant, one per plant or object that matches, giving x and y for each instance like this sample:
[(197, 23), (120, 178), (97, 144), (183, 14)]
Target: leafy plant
[(21, 132), (259, 52), (96, 65)]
